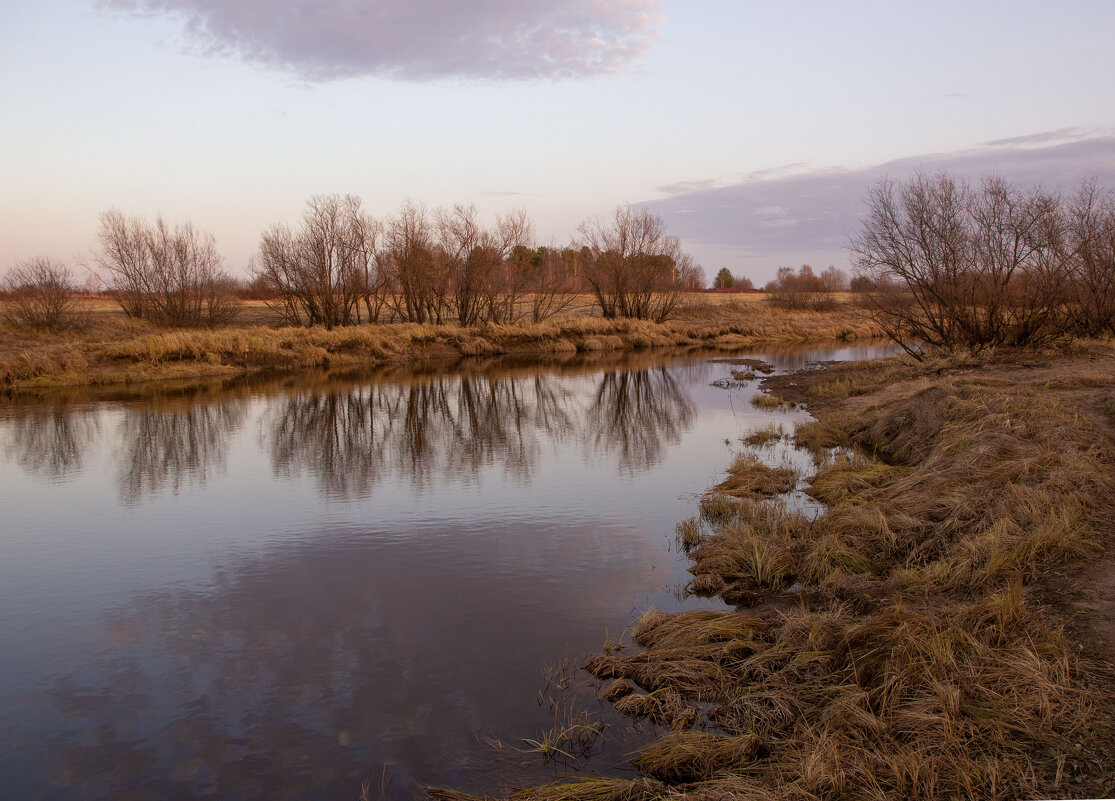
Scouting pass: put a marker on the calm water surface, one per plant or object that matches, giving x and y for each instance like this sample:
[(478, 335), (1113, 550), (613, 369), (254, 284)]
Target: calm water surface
[(302, 587)]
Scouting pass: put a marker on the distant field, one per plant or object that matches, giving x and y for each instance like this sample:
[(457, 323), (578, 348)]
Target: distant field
[(258, 312)]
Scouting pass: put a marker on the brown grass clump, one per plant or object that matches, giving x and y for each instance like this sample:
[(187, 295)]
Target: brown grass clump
[(752, 547), (595, 789), (686, 757), (765, 400), (618, 689), (764, 436), (664, 707), (689, 533), (748, 477), (587, 789)]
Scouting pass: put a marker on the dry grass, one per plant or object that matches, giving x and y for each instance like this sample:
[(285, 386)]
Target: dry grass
[(912, 665), (765, 436), (748, 477), (766, 400), (953, 699), (114, 349), (956, 486)]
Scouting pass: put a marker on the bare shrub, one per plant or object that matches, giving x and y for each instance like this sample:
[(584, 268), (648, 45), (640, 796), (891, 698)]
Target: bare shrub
[(169, 275), (964, 266), (325, 270), (489, 270), (633, 268), (804, 290), (40, 294), (1091, 244)]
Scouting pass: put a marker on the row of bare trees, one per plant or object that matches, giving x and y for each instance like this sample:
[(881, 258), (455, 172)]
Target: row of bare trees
[(987, 265), (341, 266)]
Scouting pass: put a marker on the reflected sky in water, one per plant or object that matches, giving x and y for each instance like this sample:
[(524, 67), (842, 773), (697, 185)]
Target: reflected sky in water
[(287, 588)]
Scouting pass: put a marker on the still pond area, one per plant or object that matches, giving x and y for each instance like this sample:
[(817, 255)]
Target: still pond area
[(322, 586)]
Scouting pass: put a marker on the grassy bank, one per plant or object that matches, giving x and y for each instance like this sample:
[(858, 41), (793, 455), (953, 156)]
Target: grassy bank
[(113, 349), (936, 633)]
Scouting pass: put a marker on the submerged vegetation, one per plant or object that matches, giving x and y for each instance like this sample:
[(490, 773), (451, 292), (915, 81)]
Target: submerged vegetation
[(916, 639)]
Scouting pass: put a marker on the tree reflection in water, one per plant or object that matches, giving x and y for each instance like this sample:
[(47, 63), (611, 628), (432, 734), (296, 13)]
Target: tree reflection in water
[(51, 440), (635, 414), (453, 426), (165, 446), (351, 436)]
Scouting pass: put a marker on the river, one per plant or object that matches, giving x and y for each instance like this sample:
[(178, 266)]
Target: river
[(322, 586)]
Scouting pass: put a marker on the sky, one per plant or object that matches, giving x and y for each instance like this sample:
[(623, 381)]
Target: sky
[(753, 128)]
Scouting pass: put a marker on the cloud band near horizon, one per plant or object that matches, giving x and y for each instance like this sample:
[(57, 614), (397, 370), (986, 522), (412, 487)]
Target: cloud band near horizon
[(764, 222)]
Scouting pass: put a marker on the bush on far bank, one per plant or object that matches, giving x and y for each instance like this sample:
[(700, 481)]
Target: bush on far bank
[(40, 293)]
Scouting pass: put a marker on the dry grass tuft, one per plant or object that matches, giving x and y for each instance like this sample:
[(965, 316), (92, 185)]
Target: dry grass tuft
[(764, 436), (748, 477), (620, 688), (687, 757), (766, 400), (595, 789)]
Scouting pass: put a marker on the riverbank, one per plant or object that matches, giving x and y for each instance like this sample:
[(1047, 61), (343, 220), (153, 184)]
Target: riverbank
[(944, 629), (116, 350)]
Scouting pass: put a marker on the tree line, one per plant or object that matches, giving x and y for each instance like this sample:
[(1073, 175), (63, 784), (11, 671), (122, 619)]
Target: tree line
[(941, 262), (339, 265)]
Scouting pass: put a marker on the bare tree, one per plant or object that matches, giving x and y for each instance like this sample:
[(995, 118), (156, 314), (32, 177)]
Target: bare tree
[(1091, 245), (326, 269), (170, 275), (470, 255), (963, 266), (414, 267), (804, 289), (40, 294), (512, 240), (834, 280), (634, 269), (553, 280)]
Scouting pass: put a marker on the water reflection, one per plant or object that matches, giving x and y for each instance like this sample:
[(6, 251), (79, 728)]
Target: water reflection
[(52, 440), (456, 425), (452, 426), (636, 413), (300, 672), (165, 446), (349, 436)]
